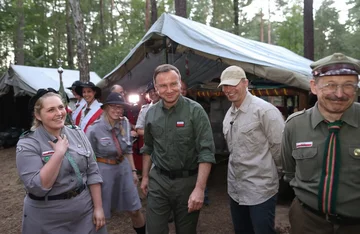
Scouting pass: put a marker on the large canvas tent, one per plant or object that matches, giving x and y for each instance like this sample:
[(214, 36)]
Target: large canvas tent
[(20, 83), (201, 53)]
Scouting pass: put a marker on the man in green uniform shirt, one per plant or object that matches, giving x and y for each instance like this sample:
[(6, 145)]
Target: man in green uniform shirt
[(178, 141), (321, 152)]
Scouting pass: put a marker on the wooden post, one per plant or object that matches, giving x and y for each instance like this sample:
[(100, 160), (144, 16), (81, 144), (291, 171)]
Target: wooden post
[(303, 100)]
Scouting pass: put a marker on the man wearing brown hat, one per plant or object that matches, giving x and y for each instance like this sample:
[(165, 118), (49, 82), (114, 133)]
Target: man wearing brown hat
[(321, 152), (252, 128)]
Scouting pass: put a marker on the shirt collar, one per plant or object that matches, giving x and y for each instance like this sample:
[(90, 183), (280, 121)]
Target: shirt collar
[(348, 117), (244, 105), (177, 105)]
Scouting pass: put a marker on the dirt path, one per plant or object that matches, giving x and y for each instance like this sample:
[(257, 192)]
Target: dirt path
[(214, 219)]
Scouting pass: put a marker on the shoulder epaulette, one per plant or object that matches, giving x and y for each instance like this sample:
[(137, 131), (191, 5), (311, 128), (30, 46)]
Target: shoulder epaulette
[(295, 114), (26, 133)]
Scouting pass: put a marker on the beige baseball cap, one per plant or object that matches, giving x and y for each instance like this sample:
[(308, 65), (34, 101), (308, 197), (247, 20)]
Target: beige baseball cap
[(232, 76)]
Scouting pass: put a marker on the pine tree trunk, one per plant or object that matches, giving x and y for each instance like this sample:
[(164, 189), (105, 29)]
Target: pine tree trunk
[(19, 45), (69, 39), (154, 14), (308, 30), (147, 15), (82, 54), (180, 8), (102, 26), (236, 17)]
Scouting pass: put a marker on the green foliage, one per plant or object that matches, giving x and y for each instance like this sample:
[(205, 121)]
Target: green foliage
[(289, 33)]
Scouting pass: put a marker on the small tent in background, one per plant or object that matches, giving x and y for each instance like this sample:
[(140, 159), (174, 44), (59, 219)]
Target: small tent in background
[(18, 85)]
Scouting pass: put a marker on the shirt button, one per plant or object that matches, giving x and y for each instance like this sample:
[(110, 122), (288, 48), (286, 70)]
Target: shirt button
[(72, 180)]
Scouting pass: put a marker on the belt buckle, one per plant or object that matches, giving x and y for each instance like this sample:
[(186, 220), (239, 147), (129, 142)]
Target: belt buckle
[(72, 193), (332, 218), (172, 176)]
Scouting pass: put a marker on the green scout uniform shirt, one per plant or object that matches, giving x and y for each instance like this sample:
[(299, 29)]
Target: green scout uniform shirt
[(302, 154), (180, 137)]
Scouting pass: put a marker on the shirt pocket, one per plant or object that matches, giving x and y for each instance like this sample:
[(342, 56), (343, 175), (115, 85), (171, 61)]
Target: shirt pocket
[(307, 166), (182, 139), (81, 158), (252, 136), (354, 166)]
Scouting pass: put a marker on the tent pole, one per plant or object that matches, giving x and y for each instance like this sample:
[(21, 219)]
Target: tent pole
[(166, 52)]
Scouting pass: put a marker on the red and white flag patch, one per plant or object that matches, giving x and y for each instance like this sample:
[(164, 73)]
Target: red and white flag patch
[(180, 124), (48, 153), (304, 144)]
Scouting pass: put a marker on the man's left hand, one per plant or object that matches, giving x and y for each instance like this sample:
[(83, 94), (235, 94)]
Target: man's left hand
[(196, 200)]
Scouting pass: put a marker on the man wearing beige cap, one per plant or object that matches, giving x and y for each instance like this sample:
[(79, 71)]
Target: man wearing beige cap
[(321, 152), (252, 128)]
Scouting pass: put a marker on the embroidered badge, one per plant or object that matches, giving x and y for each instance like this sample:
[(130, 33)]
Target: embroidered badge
[(180, 124), (357, 152), (48, 153), (304, 144)]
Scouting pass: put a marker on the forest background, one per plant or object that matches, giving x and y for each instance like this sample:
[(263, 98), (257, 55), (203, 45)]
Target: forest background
[(39, 32)]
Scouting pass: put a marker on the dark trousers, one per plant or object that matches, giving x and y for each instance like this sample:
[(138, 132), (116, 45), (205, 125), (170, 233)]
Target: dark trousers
[(303, 221), (165, 196), (256, 219)]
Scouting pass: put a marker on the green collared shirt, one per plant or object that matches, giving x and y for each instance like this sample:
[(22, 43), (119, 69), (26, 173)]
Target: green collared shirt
[(180, 137), (302, 154)]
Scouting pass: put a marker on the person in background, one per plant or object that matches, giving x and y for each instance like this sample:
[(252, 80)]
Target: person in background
[(183, 88), (118, 89), (154, 97), (59, 172), (178, 141), (92, 110), (252, 128), (321, 152), (80, 101), (111, 141)]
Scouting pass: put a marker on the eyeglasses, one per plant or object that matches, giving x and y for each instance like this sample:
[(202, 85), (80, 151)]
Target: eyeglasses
[(116, 107), (347, 88)]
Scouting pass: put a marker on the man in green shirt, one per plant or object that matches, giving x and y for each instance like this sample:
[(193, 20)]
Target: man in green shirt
[(321, 152), (178, 141)]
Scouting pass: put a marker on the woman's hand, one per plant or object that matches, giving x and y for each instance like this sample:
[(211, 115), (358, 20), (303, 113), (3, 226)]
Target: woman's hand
[(136, 178), (99, 218), (60, 145)]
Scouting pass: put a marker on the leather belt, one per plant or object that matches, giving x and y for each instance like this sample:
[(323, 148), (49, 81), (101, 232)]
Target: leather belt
[(177, 173), (62, 196), (332, 218), (110, 161)]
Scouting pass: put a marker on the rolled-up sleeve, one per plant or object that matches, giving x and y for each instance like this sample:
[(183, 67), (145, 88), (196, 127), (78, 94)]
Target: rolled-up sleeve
[(141, 119), (148, 147), (286, 155), (204, 142), (29, 163), (93, 173)]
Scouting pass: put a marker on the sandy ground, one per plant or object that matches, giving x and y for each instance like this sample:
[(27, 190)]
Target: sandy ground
[(214, 219)]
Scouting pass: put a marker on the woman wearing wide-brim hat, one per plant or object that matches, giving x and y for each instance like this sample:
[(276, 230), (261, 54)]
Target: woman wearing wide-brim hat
[(80, 101), (92, 110), (112, 144)]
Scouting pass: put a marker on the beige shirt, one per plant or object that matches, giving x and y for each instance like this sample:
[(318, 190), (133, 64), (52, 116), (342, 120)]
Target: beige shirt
[(253, 134)]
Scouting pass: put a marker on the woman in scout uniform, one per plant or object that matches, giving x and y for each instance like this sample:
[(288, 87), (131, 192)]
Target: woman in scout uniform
[(80, 101), (111, 141), (92, 110), (58, 168)]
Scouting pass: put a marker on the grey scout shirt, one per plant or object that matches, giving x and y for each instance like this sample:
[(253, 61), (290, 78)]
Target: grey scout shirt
[(100, 137), (33, 151), (303, 151), (180, 137)]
